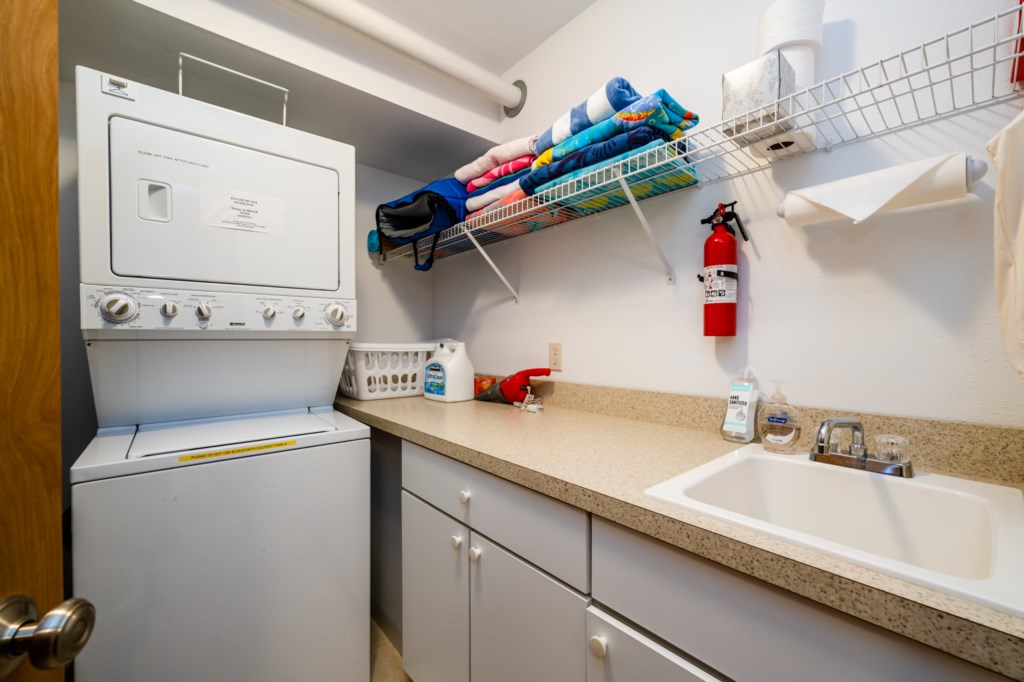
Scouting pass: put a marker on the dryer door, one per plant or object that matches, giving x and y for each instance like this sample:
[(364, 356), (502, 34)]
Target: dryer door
[(189, 208)]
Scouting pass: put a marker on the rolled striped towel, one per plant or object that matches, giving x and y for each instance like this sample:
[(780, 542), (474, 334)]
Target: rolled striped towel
[(616, 94)]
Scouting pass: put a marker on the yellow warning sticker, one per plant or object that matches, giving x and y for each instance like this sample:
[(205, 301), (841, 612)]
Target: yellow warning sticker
[(237, 451)]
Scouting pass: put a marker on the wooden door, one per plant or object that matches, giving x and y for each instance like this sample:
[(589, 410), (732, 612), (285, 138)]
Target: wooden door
[(30, 490)]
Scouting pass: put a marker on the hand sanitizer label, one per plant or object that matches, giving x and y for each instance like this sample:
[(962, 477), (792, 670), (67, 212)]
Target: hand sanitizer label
[(433, 380), (741, 406)]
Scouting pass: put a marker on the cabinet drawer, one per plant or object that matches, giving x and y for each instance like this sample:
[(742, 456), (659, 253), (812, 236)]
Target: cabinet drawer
[(622, 653), (748, 629), (548, 533)]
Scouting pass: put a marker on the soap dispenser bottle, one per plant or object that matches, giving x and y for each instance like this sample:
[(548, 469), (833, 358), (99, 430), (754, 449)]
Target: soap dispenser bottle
[(738, 425), (778, 424)]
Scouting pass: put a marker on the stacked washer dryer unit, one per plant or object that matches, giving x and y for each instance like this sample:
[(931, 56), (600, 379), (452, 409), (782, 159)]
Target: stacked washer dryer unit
[(221, 515)]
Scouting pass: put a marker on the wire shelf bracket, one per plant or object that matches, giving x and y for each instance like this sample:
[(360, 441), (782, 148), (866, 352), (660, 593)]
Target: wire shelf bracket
[(670, 274), (490, 262)]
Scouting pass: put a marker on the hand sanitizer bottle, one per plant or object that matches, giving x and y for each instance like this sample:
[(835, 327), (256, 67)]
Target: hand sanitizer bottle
[(738, 425), (778, 424)]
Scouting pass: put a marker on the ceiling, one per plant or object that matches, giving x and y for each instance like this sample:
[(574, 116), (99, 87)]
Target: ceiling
[(128, 39), (494, 34)]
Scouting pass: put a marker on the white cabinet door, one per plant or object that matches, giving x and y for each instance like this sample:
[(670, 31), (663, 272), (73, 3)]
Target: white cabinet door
[(525, 625), (435, 594), (618, 652)]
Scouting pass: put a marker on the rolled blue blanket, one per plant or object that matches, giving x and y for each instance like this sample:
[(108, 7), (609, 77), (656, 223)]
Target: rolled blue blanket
[(616, 94)]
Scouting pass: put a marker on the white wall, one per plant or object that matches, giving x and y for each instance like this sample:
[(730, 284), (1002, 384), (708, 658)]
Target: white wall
[(896, 315)]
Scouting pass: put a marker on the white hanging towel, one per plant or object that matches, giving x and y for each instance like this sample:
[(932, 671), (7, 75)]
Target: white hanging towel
[(1007, 151), (861, 196)]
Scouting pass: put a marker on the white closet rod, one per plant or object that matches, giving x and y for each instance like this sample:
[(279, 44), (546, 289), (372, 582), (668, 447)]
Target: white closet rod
[(383, 29)]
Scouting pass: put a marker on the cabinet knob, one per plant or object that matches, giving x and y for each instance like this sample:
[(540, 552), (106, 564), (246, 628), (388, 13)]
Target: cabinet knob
[(599, 646), (456, 541), (474, 553), (464, 496)]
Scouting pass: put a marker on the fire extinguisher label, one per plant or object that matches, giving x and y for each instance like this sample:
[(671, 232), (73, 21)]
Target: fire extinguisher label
[(720, 284)]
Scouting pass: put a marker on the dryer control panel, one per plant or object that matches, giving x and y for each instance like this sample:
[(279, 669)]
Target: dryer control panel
[(151, 309)]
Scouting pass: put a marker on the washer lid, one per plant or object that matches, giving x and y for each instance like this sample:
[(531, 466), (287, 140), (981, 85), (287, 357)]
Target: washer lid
[(223, 432)]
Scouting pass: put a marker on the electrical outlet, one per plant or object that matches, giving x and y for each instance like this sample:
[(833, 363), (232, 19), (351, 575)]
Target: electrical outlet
[(555, 356)]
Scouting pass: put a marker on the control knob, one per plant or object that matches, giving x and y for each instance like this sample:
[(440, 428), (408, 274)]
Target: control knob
[(298, 312), (204, 311), (118, 308), (269, 313), (336, 314), (169, 309)]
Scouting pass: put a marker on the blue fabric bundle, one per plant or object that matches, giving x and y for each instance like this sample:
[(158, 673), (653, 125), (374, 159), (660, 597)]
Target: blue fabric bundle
[(616, 94), (424, 213)]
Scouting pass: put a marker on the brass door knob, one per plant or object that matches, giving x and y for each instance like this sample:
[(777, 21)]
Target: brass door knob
[(50, 642)]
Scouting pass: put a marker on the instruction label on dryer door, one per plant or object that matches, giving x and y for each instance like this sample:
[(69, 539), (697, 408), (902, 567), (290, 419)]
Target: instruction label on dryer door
[(237, 451), (240, 210)]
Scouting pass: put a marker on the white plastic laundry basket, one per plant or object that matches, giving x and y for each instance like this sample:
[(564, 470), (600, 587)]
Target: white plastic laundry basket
[(384, 370)]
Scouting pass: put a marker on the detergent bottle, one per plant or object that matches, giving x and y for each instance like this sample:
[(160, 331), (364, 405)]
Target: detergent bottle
[(448, 376)]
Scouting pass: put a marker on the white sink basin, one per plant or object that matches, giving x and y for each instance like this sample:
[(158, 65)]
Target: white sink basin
[(954, 535)]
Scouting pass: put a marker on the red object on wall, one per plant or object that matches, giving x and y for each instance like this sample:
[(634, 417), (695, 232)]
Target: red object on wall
[(1018, 64), (721, 271), (720, 266)]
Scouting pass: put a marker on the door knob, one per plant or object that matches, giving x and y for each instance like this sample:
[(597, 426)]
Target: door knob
[(51, 642)]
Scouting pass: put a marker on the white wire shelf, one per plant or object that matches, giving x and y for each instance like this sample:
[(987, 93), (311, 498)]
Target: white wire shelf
[(961, 70)]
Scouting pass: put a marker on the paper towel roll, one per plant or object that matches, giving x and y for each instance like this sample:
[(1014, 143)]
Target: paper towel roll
[(923, 182), (787, 22), (793, 26), (801, 57)]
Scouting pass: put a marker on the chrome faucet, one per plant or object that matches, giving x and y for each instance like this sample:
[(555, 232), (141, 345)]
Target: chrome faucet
[(857, 457)]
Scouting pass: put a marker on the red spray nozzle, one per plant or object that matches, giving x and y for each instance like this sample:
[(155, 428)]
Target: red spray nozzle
[(515, 386)]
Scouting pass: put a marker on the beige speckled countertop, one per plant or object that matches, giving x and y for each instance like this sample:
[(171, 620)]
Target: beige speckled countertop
[(603, 464)]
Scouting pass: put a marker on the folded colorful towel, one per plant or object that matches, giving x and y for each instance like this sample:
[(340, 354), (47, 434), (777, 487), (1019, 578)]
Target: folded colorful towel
[(501, 171), (588, 156), (481, 199), (507, 200), (494, 157), (616, 94), (658, 110)]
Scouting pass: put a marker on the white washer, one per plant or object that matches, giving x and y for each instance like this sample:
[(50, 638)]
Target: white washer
[(226, 549), (220, 518)]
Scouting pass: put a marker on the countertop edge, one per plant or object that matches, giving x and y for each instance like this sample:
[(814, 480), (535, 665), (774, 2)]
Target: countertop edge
[(953, 634)]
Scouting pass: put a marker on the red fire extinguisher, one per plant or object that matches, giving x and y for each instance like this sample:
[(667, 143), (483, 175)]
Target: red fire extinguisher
[(720, 276)]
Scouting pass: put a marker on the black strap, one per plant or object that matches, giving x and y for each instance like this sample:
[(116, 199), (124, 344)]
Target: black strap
[(426, 264)]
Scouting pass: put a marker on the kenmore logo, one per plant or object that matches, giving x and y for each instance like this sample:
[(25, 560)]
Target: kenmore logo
[(236, 324)]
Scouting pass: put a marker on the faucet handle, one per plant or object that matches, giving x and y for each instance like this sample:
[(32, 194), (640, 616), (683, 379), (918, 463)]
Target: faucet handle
[(890, 448)]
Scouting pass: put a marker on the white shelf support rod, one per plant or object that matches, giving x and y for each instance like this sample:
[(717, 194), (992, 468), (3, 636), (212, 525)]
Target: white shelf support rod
[(491, 263), (670, 274)]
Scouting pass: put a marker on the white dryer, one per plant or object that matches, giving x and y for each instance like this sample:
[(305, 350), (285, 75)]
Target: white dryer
[(220, 518)]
